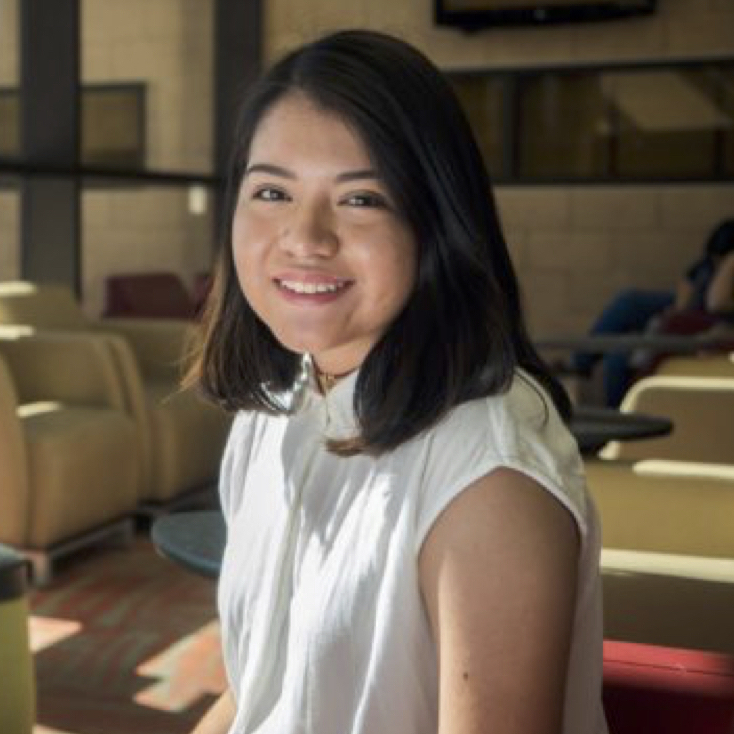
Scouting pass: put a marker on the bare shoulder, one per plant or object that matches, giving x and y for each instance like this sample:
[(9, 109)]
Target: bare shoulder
[(505, 519), (510, 504)]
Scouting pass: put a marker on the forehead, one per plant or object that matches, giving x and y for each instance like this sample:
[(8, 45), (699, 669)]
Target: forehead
[(295, 126)]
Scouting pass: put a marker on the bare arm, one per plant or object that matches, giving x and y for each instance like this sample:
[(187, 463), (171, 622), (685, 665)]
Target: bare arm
[(720, 293), (498, 574), (219, 717)]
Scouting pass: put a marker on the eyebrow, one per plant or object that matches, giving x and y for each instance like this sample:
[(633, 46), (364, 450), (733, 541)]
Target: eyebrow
[(274, 170)]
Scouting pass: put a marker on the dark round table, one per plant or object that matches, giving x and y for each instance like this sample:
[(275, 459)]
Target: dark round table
[(195, 540), (656, 343), (594, 427)]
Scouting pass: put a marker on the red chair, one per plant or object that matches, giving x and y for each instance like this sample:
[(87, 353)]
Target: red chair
[(649, 689), (148, 295)]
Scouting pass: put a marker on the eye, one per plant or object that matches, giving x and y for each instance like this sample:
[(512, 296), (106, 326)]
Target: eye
[(366, 199), (270, 193)]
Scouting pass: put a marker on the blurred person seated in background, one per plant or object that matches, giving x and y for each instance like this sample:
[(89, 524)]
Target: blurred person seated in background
[(704, 299)]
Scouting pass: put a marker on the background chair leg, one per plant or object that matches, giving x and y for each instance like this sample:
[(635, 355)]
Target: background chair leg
[(120, 533), (41, 567)]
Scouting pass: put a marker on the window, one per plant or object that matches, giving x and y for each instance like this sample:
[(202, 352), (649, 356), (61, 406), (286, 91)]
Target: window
[(632, 123), (112, 125)]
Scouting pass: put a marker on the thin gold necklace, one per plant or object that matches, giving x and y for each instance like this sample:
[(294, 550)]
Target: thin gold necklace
[(327, 380)]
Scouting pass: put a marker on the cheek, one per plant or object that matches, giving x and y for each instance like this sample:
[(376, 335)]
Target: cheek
[(392, 280), (247, 239)]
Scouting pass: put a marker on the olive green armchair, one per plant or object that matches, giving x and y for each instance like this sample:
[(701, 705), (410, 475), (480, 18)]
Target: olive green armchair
[(181, 438), (69, 452)]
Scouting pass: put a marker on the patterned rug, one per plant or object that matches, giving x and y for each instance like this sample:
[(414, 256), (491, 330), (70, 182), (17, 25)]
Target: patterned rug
[(125, 642)]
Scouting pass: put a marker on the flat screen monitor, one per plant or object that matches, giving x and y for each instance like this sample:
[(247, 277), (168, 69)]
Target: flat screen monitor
[(476, 14)]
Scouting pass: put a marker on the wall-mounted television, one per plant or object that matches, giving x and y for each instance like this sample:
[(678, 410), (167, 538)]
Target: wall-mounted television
[(473, 15)]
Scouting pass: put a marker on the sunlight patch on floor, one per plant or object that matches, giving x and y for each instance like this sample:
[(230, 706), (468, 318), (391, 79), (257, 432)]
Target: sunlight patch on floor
[(47, 631), (186, 671)]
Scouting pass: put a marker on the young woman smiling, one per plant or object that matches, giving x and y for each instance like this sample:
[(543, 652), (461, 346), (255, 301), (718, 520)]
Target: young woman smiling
[(411, 548)]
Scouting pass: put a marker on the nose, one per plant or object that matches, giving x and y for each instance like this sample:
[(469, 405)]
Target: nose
[(309, 231)]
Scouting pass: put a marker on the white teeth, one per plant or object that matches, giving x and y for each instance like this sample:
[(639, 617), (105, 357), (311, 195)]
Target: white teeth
[(298, 287)]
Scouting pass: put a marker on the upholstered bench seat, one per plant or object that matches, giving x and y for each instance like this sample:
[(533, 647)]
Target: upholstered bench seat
[(650, 689), (667, 599), (669, 648)]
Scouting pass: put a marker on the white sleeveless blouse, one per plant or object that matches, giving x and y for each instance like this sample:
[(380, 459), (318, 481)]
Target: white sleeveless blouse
[(323, 626)]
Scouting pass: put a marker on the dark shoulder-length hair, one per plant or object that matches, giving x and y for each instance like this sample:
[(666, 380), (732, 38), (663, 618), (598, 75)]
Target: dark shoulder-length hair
[(461, 335)]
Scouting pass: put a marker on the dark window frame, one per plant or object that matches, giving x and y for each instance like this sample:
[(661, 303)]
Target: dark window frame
[(100, 175)]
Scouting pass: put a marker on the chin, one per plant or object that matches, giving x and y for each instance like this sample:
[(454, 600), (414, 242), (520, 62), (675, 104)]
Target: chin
[(301, 344)]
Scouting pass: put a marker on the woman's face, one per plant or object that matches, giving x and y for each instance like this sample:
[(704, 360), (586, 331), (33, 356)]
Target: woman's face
[(321, 254)]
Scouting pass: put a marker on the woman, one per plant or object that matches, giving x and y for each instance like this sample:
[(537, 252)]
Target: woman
[(410, 545)]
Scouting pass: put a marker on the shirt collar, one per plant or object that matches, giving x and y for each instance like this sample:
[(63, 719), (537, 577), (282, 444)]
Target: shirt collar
[(337, 406)]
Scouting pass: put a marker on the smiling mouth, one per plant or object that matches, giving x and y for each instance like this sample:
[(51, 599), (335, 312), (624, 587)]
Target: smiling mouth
[(295, 286)]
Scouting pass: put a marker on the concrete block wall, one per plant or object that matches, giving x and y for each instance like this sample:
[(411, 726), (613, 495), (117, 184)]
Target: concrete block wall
[(574, 247), (134, 229), (9, 71), (141, 229), (167, 44), (9, 228), (680, 28)]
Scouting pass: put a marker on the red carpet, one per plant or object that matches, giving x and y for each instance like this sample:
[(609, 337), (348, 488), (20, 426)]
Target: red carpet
[(125, 642)]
